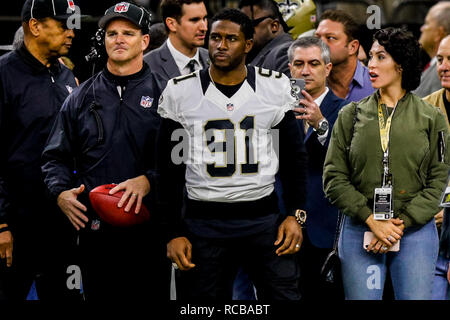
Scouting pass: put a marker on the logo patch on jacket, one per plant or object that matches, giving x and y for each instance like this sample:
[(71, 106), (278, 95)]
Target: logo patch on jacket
[(121, 7), (146, 102), (71, 5), (69, 88)]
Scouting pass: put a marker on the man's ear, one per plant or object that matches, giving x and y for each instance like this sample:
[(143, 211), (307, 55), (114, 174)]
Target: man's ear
[(353, 47), (34, 27), (248, 45), (145, 41), (440, 34), (172, 24), (328, 68), (275, 26)]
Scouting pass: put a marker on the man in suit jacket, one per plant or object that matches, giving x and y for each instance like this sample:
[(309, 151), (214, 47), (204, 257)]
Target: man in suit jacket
[(435, 28), (186, 24), (309, 59), (271, 40)]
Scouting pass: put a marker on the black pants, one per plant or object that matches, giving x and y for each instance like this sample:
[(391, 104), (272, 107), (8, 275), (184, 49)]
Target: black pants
[(311, 259), (217, 261), (41, 253), (124, 264)]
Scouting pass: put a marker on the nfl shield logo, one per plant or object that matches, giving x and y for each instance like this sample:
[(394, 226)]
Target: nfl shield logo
[(230, 106), (121, 7), (146, 102), (95, 225), (71, 5)]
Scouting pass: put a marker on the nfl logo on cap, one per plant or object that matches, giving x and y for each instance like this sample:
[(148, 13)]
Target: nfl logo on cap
[(121, 7), (146, 102), (71, 5)]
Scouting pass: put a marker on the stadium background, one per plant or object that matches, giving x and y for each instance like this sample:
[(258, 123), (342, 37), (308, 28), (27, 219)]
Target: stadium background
[(409, 13)]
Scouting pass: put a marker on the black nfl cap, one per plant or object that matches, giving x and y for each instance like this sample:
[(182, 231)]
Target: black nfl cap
[(137, 15), (56, 9)]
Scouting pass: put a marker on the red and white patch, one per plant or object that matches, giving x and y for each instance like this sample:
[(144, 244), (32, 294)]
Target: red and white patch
[(121, 7), (146, 102), (71, 5)]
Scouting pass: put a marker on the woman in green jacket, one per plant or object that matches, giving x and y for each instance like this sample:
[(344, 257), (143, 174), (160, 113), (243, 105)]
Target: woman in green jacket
[(391, 147)]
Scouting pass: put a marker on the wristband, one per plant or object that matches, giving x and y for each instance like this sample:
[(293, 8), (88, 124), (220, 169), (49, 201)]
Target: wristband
[(4, 229)]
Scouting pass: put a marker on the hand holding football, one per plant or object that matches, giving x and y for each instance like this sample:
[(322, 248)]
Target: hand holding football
[(105, 205)]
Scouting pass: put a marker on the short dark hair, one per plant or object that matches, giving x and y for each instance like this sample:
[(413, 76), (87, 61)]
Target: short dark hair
[(236, 16), (173, 9), (405, 50), (351, 28), (268, 5)]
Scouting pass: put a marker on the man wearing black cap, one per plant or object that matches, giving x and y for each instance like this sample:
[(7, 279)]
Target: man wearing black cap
[(33, 86), (272, 39), (105, 133)]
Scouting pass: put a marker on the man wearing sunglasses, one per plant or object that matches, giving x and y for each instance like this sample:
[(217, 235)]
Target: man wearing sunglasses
[(271, 40)]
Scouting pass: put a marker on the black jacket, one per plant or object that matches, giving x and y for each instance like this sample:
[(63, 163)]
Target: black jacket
[(101, 137), (273, 55), (30, 97)]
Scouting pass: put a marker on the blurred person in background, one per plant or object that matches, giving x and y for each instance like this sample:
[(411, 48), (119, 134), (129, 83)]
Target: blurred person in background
[(434, 29)]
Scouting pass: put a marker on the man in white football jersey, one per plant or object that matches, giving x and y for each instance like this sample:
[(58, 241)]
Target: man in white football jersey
[(226, 131)]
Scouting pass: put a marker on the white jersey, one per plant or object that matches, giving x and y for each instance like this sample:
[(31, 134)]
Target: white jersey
[(230, 154)]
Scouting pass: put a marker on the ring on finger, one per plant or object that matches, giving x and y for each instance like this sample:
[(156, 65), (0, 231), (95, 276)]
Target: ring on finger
[(390, 239), (297, 245), (134, 194), (384, 248)]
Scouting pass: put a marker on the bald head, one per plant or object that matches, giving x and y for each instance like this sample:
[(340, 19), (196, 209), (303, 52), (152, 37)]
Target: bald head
[(443, 63), (436, 27)]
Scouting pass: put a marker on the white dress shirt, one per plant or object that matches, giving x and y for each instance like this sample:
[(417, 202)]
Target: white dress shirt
[(182, 60), (322, 138)]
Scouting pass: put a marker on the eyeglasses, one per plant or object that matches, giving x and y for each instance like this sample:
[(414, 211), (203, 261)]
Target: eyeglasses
[(255, 22)]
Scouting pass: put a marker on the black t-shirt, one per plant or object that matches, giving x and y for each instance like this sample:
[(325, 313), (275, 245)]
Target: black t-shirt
[(229, 91)]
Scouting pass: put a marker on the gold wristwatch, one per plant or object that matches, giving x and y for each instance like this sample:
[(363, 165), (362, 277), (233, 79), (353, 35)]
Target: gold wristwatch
[(300, 216)]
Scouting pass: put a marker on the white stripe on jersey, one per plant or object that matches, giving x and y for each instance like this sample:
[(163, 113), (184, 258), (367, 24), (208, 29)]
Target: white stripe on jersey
[(232, 147)]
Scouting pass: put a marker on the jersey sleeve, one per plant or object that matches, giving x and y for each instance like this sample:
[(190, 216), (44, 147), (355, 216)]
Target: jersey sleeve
[(286, 101), (167, 107)]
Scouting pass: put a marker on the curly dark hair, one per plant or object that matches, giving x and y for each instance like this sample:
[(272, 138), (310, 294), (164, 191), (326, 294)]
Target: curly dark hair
[(405, 50), (236, 16)]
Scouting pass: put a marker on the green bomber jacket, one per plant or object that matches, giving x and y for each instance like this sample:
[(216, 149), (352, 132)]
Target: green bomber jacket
[(418, 161)]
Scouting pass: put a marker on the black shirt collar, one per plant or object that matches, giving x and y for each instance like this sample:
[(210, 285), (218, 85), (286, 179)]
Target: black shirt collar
[(34, 63), (123, 80), (206, 80)]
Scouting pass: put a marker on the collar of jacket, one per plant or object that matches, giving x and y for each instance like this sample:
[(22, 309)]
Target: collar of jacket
[(35, 64), (124, 79), (377, 96)]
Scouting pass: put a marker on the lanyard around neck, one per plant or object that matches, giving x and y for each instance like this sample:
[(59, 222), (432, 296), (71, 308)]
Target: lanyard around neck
[(385, 128)]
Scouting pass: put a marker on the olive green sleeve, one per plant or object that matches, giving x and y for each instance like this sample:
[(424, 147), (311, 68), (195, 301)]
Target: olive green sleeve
[(337, 182), (422, 208)]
